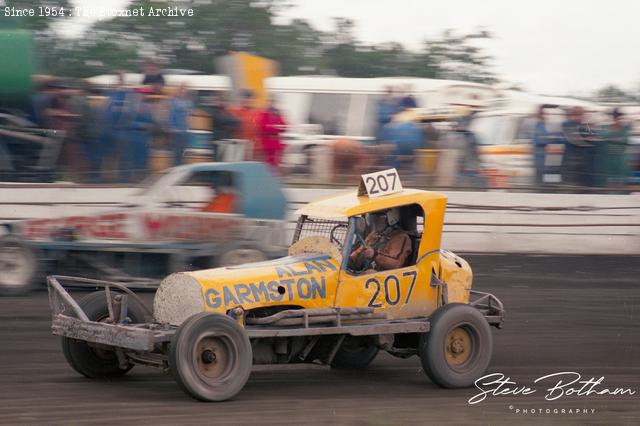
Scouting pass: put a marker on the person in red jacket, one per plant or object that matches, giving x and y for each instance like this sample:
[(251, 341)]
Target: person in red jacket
[(271, 125), (248, 129)]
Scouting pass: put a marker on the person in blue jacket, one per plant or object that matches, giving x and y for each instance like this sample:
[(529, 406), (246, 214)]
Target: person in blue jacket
[(405, 137), (386, 109), (139, 136), (116, 120), (180, 106)]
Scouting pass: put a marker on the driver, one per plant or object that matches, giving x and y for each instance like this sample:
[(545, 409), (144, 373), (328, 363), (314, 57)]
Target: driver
[(224, 199), (386, 247)]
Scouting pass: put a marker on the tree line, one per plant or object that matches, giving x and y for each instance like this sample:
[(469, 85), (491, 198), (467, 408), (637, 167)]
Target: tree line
[(221, 26)]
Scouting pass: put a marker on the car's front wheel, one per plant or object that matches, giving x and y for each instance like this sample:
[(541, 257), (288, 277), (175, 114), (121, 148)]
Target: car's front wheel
[(211, 357), (457, 349)]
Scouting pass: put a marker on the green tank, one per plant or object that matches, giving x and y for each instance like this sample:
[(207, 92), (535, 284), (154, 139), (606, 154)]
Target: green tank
[(16, 49)]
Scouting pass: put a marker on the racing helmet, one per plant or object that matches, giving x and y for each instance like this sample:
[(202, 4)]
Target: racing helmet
[(370, 217), (393, 216)]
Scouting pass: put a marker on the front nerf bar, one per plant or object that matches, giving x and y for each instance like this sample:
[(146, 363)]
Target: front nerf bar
[(69, 320), (489, 305)]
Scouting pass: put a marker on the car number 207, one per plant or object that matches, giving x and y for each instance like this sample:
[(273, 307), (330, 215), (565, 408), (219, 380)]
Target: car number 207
[(392, 289), (380, 183)]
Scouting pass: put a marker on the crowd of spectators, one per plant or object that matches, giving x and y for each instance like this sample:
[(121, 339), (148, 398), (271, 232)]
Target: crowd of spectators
[(113, 135), (591, 155), (594, 155)]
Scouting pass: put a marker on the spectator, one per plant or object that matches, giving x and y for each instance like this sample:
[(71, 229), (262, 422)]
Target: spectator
[(407, 101), (579, 160), (406, 136), (271, 126), (616, 137), (179, 108), (153, 75), (386, 109), (431, 135), (117, 118), (85, 124), (93, 130), (248, 118), (541, 138), (224, 123), (139, 136), (40, 103), (464, 140), (60, 117)]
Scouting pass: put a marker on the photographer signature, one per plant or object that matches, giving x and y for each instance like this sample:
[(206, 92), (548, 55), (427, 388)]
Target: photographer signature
[(558, 385)]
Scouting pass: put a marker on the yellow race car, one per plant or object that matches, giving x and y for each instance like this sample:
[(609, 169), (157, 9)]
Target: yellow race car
[(317, 305)]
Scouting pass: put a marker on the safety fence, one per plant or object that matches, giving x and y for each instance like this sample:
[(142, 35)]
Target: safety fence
[(479, 222)]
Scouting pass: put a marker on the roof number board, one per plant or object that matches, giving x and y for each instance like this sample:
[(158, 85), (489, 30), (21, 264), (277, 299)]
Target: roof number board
[(379, 183)]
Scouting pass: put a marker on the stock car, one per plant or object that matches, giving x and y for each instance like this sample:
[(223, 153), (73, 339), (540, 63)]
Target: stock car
[(165, 228), (210, 327)]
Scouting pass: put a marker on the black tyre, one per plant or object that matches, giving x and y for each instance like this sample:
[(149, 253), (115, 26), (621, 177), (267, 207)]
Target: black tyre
[(457, 350), (92, 360), (18, 267), (210, 357), (355, 353)]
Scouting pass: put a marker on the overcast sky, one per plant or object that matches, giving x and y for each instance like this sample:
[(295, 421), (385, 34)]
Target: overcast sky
[(548, 46)]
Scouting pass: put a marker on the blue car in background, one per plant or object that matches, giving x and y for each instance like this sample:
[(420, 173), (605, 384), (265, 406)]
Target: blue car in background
[(188, 217)]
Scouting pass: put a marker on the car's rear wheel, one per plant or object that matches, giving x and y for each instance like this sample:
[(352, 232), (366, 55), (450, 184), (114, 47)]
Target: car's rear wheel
[(457, 350), (95, 360), (355, 353), (210, 357), (18, 266)]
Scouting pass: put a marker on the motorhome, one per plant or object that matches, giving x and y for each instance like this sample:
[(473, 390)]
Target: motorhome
[(346, 107)]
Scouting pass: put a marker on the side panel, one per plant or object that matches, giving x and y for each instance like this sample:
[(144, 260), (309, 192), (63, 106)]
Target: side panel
[(401, 293), (309, 284)]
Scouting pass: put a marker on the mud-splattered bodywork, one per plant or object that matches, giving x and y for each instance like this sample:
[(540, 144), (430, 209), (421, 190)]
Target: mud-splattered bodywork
[(320, 280)]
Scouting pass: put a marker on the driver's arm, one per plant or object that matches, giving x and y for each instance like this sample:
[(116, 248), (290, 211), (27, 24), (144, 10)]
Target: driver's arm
[(358, 255), (395, 253)]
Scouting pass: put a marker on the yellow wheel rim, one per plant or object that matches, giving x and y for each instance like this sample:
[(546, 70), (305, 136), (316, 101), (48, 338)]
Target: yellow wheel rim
[(458, 346)]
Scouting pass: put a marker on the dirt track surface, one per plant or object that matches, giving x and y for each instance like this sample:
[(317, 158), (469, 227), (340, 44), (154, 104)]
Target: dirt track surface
[(573, 314)]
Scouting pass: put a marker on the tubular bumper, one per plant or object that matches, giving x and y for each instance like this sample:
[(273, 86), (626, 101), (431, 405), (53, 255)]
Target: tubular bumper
[(69, 320), (489, 305)]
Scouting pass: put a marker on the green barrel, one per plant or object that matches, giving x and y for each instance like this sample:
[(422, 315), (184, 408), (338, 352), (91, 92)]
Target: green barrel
[(16, 51)]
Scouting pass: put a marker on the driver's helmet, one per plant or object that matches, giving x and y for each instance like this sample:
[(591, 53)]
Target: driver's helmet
[(393, 216), (370, 218)]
